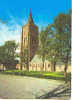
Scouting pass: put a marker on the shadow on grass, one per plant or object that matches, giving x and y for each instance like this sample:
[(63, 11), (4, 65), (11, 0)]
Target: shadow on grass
[(60, 91), (54, 76)]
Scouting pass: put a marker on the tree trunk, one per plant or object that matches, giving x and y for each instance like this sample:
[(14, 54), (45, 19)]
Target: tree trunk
[(27, 65), (43, 60), (53, 69), (43, 66), (54, 66), (21, 66), (65, 71)]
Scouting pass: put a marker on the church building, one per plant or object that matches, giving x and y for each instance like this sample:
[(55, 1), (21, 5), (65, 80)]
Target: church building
[(29, 38)]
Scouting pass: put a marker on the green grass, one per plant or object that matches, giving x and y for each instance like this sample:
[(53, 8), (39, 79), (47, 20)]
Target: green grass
[(46, 75)]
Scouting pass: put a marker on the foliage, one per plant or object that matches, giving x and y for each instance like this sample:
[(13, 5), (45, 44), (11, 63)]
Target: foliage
[(42, 46), (25, 58), (8, 54), (63, 37), (55, 40)]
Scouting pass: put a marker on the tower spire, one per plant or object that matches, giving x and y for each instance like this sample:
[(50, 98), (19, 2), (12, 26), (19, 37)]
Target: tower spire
[(30, 20), (30, 13)]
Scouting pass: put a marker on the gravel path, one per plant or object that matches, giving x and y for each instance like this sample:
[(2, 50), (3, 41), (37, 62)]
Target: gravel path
[(20, 87)]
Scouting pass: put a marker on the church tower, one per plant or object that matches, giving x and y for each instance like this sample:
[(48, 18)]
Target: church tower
[(29, 40)]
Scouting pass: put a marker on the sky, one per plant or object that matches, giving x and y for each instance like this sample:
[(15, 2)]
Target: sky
[(14, 14)]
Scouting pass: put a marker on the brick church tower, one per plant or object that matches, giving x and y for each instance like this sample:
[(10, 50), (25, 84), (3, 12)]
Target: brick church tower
[(29, 39)]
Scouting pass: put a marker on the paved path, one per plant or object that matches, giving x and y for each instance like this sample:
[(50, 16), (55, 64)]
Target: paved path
[(20, 87)]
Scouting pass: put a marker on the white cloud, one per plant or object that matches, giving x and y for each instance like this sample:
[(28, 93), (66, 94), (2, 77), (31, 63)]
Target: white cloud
[(10, 31)]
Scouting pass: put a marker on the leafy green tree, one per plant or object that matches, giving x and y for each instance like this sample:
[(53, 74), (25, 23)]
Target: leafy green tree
[(8, 55), (51, 47), (47, 46), (62, 25), (2, 53), (55, 41), (60, 47), (25, 59), (42, 46)]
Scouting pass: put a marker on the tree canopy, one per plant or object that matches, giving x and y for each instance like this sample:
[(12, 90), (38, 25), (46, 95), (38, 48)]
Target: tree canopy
[(55, 40), (8, 55)]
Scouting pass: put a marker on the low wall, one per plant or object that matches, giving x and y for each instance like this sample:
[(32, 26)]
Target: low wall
[(38, 67), (47, 67)]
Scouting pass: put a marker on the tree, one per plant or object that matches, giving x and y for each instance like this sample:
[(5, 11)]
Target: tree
[(8, 55), (2, 53), (42, 46), (51, 46), (62, 24), (25, 59), (47, 46)]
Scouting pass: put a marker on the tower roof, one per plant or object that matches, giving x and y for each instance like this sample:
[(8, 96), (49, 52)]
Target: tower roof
[(30, 20)]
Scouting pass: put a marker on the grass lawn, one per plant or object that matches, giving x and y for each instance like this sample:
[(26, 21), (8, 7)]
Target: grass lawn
[(46, 75)]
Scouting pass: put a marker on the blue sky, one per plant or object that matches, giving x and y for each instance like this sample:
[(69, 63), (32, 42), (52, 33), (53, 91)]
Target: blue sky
[(15, 13)]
